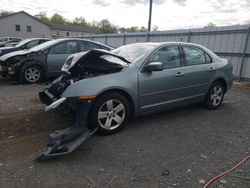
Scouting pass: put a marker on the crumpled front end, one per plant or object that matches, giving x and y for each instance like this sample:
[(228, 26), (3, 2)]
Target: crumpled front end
[(76, 68)]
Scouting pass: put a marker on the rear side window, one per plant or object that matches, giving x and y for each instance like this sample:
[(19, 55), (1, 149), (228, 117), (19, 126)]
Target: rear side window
[(195, 56), (169, 56), (68, 47), (84, 46)]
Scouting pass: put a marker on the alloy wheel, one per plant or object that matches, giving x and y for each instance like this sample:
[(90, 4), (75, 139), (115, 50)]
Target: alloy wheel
[(216, 95), (111, 114), (32, 74)]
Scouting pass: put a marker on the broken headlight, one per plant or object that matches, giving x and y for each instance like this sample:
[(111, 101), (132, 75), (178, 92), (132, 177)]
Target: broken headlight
[(67, 64)]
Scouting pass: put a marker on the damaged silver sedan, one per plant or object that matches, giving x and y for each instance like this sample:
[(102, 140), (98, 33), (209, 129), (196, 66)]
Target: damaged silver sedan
[(106, 88)]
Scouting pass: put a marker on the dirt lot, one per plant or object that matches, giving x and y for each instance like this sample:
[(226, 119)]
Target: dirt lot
[(177, 148)]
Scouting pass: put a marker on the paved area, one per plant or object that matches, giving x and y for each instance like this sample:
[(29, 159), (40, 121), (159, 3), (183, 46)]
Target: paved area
[(178, 148)]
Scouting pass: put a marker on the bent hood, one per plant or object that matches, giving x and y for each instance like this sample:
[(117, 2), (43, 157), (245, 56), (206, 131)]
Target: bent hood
[(12, 54), (91, 59)]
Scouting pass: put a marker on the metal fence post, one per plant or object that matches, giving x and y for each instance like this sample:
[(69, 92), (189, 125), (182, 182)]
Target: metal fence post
[(106, 39), (124, 39), (244, 54), (148, 37), (189, 36)]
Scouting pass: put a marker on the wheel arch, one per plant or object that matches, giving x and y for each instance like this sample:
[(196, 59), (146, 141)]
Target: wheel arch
[(32, 62), (125, 94), (222, 81), (28, 63)]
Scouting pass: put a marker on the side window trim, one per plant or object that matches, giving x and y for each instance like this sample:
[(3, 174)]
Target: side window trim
[(184, 56)]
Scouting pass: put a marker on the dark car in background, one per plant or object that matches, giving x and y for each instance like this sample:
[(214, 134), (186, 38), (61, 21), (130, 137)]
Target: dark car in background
[(45, 60), (5, 40), (23, 45)]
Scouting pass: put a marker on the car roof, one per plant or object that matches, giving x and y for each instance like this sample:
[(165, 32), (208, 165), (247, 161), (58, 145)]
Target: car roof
[(81, 39), (166, 43), (159, 44), (56, 41)]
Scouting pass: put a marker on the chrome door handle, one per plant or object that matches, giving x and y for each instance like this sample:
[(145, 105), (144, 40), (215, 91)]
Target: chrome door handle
[(178, 74), (211, 69)]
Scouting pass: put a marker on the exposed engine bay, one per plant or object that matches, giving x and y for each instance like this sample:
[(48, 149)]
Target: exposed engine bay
[(82, 66)]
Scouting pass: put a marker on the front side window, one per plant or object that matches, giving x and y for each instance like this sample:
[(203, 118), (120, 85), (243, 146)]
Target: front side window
[(31, 44), (195, 56), (18, 28), (169, 56), (68, 47)]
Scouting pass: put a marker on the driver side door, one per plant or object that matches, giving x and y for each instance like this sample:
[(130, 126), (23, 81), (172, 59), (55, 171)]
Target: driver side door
[(162, 89)]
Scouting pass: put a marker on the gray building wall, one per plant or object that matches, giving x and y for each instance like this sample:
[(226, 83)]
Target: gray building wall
[(63, 33), (231, 42), (8, 27)]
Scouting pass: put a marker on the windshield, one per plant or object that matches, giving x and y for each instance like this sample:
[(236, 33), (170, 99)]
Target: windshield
[(132, 52), (23, 42), (44, 45), (3, 39)]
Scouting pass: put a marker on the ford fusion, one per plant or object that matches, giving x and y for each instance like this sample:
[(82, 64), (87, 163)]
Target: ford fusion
[(107, 88), (44, 60)]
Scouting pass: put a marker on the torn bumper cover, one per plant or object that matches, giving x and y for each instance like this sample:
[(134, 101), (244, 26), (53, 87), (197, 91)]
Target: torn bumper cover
[(55, 104), (65, 141)]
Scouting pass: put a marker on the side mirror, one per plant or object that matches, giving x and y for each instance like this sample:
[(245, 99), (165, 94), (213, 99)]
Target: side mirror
[(154, 66)]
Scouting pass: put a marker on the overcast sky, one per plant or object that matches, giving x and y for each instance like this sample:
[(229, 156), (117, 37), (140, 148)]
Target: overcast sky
[(167, 14)]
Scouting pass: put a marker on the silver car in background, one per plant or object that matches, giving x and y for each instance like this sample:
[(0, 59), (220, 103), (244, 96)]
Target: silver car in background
[(106, 88)]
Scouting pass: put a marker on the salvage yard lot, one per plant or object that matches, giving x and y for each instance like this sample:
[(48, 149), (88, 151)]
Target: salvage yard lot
[(176, 148)]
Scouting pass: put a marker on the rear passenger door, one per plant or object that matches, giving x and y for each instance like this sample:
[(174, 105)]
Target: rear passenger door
[(200, 70), (58, 54)]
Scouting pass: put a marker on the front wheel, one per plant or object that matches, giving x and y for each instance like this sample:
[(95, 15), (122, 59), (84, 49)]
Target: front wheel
[(109, 113), (31, 74), (215, 96)]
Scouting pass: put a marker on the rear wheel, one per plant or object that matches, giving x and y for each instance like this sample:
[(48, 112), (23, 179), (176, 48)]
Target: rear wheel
[(109, 113), (215, 96), (31, 74)]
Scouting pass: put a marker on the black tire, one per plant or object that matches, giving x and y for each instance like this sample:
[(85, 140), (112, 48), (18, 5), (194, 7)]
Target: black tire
[(100, 106), (214, 99), (38, 74)]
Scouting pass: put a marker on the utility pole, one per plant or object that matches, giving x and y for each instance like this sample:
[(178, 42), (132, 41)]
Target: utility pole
[(150, 13)]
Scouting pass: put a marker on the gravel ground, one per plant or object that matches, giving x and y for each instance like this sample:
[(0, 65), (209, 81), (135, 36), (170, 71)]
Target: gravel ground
[(178, 148)]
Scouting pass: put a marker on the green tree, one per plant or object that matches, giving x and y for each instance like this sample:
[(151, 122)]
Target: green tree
[(5, 12), (80, 21), (155, 28), (43, 17), (106, 27), (210, 25), (122, 30), (94, 25), (133, 29), (59, 19), (143, 29)]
